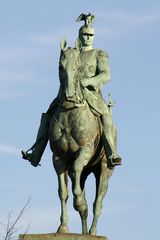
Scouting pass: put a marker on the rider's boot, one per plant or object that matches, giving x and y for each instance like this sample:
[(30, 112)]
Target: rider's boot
[(34, 154), (109, 139)]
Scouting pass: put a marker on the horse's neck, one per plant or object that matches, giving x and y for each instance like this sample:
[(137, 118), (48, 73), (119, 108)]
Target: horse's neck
[(78, 90)]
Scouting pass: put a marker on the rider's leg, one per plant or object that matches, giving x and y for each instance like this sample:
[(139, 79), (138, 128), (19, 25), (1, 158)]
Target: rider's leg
[(110, 138), (52, 107), (35, 153)]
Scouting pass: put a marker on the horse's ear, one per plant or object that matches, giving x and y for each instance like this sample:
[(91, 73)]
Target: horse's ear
[(78, 44), (63, 44)]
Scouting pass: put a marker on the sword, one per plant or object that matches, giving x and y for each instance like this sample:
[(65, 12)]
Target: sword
[(111, 103)]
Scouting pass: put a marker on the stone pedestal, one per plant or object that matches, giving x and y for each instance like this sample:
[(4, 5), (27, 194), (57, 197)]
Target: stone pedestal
[(55, 236)]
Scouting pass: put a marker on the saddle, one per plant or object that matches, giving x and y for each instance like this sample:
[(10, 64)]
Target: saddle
[(94, 101)]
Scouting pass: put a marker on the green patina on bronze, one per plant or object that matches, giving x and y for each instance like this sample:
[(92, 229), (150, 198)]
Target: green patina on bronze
[(79, 127)]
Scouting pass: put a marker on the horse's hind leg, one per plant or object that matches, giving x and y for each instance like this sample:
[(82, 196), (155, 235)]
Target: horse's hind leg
[(101, 175), (63, 193)]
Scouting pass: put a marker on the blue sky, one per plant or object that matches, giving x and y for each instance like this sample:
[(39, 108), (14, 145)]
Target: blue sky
[(30, 33)]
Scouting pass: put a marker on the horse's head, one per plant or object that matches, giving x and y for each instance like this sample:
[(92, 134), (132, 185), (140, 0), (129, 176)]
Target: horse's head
[(69, 72)]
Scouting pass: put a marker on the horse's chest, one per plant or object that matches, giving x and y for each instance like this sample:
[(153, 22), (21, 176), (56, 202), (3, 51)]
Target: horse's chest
[(73, 129), (63, 137)]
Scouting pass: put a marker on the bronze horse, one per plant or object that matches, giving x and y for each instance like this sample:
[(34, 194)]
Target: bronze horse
[(75, 140)]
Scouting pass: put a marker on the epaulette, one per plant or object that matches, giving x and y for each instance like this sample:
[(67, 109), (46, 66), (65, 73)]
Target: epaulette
[(102, 53)]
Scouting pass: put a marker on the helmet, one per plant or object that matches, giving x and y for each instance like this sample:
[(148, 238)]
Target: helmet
[(86, 29)]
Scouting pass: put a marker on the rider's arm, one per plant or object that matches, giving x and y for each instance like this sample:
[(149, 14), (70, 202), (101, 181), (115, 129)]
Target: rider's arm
[(102, 74)]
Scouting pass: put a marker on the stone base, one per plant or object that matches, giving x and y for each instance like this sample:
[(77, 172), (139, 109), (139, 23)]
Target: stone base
[(56, 236)]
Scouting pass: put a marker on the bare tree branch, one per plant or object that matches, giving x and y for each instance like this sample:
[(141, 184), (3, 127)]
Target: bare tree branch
[(27, 229), (11, 228)]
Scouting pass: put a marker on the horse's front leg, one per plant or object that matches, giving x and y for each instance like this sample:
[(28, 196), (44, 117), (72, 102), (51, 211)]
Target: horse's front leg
[(83, 157), (80, 203), (63, 193)]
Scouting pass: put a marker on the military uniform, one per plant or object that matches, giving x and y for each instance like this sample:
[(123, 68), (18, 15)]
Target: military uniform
[(96, 73)]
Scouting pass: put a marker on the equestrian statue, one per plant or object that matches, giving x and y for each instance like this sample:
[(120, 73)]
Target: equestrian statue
[(79, 127)]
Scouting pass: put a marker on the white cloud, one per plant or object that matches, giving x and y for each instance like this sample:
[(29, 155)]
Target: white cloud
[(42, 39), (52, 39), (7, 149), (10, 94), (119, 22), (29, 51), (17, 84), (121, 16), (14, 77), (15, 54), (144, 19)]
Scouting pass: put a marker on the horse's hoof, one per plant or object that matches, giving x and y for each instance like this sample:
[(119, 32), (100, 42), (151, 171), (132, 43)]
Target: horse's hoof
[(85, 231), (93, 232), (63, 229)]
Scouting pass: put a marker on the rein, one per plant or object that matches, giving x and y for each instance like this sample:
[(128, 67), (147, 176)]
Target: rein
[(70, 104)]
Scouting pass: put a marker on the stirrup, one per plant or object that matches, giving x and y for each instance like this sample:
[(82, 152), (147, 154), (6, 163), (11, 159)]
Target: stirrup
[(115, 159), (26, 155)]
